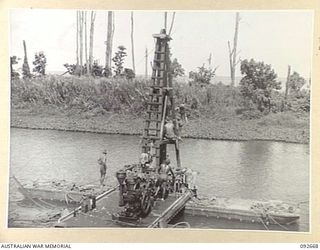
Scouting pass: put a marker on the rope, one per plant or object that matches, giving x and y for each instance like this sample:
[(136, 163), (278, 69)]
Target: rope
[(47, 203), (68, 197), (269, 216), (285, 228), (261, 220), (263, 223)]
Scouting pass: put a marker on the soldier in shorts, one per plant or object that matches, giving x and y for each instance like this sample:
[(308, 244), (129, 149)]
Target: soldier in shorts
[(103, 167)]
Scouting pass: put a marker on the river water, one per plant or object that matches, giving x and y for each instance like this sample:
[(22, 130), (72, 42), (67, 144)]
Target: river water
[(259, 170)]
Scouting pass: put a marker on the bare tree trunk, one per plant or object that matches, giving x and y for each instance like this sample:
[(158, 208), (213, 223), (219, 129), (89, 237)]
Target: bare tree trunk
[(92, 20), (233, 53), (109, 41), (25, 66), (86, 42), (81, 41), (235, 43), (165, 20), (287, 89), (77, 53), (132, 44), (209, 60), (146, 63)]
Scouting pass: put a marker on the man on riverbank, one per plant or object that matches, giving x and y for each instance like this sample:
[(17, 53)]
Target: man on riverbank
[(103, 167)]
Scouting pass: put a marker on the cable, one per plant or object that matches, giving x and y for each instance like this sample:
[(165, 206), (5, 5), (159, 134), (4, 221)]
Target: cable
[(278, 223), (261, 220), (263, 223)]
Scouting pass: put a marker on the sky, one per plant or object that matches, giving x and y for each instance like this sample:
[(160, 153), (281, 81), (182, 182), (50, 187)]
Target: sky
[(279, 38)]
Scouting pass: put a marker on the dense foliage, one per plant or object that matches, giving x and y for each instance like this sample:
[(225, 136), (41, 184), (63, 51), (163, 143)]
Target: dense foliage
[(298, 98), (257, 84), (295, 83), (176, 68), (14, 74), (203, 76), (118, 60), (40, 63)]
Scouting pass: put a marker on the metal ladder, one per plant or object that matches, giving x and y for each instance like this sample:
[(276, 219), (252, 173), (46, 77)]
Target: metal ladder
[(160, 95)]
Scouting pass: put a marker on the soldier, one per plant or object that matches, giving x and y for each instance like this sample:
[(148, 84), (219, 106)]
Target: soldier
[(103, 167)]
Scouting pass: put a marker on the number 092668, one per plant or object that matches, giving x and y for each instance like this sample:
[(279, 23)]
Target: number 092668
[(308, 245)]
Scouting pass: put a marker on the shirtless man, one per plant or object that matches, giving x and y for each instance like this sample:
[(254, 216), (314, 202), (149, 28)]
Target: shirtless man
[(103, 167), (164, 171)]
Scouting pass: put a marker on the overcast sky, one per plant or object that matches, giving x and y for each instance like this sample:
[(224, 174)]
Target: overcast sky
[(278, 38)]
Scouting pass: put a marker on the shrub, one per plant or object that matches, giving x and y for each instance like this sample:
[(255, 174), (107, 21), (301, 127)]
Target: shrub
[(295, 83), (258, 82), (40, 63), (118, 60), (176, 68), (13, 61), (203, 76), (251, 114)]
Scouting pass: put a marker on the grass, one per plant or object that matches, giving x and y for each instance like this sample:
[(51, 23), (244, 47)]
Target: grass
[(117, 106)]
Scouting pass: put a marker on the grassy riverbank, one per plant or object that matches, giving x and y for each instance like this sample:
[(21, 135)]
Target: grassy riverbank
[(118, 108), (276, 127)]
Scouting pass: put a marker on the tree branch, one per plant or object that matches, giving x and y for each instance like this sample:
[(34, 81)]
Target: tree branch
[(230, 53), (239, 60), (214, 70)]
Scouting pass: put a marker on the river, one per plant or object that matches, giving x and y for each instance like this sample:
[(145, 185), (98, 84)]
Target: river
[(261, 170)]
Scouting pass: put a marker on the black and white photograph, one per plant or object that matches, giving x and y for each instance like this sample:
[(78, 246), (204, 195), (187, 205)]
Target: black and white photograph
[(177, 119)]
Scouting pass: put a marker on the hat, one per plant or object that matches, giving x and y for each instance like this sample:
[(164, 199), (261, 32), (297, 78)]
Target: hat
[(104, 152)]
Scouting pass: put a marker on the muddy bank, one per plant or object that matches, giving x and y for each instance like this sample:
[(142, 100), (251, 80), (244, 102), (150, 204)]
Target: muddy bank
[(281, 127)]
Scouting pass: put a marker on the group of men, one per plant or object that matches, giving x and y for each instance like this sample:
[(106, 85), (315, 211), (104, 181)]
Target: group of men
[(149, 159), (163, 173), (172, 132), (166, 176)]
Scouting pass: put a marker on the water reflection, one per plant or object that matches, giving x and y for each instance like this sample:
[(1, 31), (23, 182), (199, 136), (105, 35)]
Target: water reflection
[(255, 169)]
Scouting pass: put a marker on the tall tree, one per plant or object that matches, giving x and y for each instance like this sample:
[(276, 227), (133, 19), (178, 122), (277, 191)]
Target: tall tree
[(233, 54), (77, 34), (118, 60), (132, 44), (146, 63), (25, 67), (296, 82), (40, 63), (86, 42), (92, 20), (286, 89), (110, 31), (81, 40), (258, 82), (165, 20)]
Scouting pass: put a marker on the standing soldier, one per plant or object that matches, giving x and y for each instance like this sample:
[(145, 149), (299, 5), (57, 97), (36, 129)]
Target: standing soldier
[(103, 167)]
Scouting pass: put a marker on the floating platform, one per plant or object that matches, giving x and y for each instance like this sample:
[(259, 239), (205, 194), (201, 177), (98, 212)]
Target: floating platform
[(265, 212), (107, 208), (58, 192), (105, 214)]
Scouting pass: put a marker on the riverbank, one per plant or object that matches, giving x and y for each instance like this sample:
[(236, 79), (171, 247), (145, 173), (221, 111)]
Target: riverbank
[(285, 127)]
